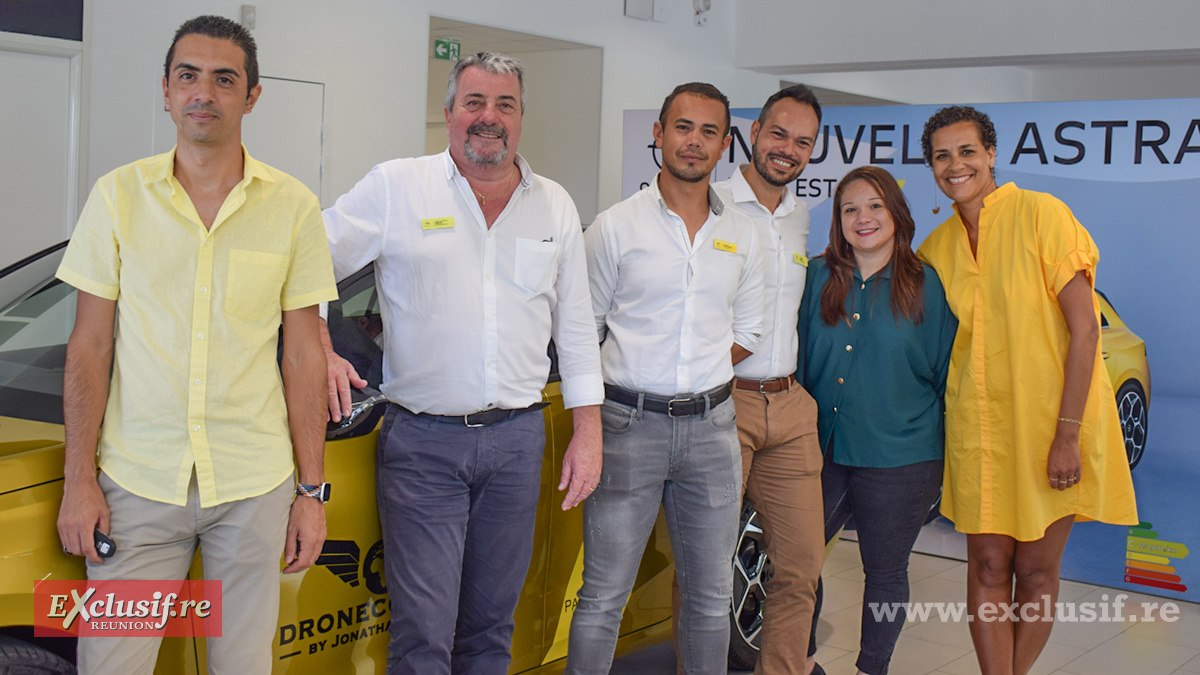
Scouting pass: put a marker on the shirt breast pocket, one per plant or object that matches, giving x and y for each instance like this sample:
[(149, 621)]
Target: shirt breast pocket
[(255, 284), (535, 265)]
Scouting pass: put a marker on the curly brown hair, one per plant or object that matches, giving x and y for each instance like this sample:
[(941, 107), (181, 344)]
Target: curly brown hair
[(953, 115)]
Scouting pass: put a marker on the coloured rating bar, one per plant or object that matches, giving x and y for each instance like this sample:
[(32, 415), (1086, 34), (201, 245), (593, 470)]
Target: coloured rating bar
[(1148, 559)]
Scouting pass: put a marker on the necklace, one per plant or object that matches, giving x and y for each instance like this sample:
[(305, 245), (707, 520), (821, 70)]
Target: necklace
[(483, 198)]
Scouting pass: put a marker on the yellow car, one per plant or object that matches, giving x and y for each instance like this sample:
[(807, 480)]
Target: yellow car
[(333, 617), (1125, 358)]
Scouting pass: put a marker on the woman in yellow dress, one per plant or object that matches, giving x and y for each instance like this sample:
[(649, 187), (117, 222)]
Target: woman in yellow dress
[(1033, 442)]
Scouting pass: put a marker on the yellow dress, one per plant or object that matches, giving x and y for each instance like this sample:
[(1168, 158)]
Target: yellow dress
[(1006, 372)]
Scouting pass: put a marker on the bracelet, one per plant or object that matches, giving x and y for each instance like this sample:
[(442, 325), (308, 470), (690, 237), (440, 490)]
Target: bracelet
[(1068, 419)]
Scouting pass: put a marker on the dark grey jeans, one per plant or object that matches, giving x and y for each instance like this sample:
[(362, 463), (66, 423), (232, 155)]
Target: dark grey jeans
[(457, 506), (889, 507)]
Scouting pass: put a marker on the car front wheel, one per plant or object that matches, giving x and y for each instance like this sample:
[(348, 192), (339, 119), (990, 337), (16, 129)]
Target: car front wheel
[(751, 571), (17, 656), (1134, 412)]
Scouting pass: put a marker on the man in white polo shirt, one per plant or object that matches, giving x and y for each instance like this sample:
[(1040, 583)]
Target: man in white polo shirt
[(776, 417), (676, 284)]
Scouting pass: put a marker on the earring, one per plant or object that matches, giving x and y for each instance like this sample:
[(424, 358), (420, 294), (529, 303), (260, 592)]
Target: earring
[(936, 208)]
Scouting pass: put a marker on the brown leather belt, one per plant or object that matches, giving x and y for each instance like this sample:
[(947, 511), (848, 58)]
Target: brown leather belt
[(769, 386)]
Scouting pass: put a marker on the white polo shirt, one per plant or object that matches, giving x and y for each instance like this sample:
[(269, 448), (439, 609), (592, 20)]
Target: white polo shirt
[(668, 309), (783, 236)]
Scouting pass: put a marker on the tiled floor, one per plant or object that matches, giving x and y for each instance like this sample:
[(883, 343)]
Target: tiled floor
[(935, 647)]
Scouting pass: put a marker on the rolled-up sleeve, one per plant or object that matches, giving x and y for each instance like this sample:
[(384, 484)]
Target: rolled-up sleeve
[(573, 331), (748, 303)]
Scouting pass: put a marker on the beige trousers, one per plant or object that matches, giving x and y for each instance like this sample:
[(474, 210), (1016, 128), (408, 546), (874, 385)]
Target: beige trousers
[(241, 544)]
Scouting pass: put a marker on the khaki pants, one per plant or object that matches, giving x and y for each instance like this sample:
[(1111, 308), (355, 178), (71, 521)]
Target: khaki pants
[(781, 469), (781, 473), (241, 543)]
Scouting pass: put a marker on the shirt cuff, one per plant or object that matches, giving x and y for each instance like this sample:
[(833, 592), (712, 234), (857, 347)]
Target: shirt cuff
[(582, 390)]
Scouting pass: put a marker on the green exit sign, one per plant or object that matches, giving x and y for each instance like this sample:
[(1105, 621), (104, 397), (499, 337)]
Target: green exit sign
[(446, 50)]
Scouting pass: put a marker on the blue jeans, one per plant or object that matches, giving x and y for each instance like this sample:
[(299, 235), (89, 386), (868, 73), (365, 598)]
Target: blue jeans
[(889, 508), (457, 507), (692, 467)]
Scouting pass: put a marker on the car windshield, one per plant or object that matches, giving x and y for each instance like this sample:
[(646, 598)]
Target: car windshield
[(33, 347)]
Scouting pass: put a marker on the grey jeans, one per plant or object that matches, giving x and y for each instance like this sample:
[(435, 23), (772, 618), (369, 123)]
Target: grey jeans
[(692, 466)]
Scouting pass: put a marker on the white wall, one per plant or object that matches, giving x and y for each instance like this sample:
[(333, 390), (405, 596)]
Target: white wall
[(879, 34), (921, 51), (372, 56)]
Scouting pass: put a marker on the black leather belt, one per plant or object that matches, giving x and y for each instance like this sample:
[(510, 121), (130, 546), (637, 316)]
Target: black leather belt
[(682, 405), (483, 418)]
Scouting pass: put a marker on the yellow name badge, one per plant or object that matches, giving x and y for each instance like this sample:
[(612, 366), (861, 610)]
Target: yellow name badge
[(800, 260), (437, 223), (724, 246)]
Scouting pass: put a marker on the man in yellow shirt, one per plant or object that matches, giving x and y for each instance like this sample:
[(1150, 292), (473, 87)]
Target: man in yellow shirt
[(202, 253)]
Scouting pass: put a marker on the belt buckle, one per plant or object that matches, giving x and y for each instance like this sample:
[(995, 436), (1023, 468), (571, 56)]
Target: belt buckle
[(671, 406), (467, 421), (763, 382)]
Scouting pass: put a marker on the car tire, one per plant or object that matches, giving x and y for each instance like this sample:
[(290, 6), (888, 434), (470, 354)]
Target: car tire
[(1134, 412), (21, 658), (751, 571)]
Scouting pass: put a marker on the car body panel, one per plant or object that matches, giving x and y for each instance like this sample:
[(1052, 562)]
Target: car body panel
[(1123, 351)]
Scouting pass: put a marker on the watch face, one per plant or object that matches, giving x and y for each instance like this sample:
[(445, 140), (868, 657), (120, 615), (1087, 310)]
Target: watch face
[(325, 492)]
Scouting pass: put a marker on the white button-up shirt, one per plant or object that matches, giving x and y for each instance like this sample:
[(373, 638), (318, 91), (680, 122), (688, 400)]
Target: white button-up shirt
[(668, 309), (783, 236), (468, 311)]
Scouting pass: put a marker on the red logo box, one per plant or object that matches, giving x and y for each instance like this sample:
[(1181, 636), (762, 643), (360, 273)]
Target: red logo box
[(127, 608)]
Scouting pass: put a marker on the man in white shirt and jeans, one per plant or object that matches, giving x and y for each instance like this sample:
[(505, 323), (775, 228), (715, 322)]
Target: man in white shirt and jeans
[(676, 284), (478, 262), (776, 417)]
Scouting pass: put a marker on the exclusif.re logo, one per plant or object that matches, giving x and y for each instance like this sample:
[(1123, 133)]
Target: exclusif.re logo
[(170, 608)]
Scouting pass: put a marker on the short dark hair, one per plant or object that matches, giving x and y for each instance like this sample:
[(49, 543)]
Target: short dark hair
[(953, 115), (798, 93), (223, 29), (699, 89)]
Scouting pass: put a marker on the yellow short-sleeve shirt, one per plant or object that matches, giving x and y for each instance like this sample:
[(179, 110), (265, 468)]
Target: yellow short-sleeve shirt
[(195, 380), (1006, 372)]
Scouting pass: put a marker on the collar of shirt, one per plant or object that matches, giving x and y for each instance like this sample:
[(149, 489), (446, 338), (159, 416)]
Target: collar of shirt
[(885, 273), (744, 194), (990, 200), (162, 168), (452, 170), (715, 204)]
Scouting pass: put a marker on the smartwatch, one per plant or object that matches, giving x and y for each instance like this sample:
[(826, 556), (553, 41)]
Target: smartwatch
[(320, 492)]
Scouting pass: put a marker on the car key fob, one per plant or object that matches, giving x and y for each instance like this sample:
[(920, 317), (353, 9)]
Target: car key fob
[(105, 546)]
